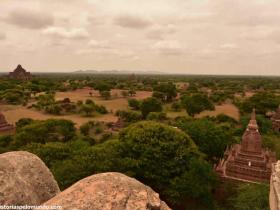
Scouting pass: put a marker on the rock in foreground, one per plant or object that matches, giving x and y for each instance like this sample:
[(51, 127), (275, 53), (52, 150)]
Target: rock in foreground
[(109, 191), (274, 196), (25, 180)]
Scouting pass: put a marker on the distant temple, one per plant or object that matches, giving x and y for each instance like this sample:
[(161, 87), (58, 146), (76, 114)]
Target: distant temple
[(20, 74), (4, 126), (247, 161), (276, 120)]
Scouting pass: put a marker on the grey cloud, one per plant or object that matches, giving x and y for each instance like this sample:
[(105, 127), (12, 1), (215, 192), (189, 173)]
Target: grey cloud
[(30, 19), (129, 21)]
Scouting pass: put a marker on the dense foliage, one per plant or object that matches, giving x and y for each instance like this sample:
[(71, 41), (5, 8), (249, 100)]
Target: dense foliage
[(175, 157), (196, 103)]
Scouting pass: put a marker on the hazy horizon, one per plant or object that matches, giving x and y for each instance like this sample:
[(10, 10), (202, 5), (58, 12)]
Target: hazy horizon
[(173, 36)]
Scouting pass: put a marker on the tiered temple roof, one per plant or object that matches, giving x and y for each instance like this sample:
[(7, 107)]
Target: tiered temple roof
[(276, 120), (247, 161), (4, 126), (20, 73)]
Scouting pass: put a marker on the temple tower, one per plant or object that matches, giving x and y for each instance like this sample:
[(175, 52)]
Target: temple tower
[(248, 161), (4, 126), (20, 74), (251, 139)]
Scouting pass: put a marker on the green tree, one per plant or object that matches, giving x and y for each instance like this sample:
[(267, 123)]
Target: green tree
[(150, 105), (102, 86), (196, 103), (23, 122), (262, 102), (134, 104), (165, 91), (87, 109), (55, 109), (45, 100), (45, 131), (129, 116), (157, 116), (210, 138), (176, 106), (251, 196), (105, 94), (144, 145)]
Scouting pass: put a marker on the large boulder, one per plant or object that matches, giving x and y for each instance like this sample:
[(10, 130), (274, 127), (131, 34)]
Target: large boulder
[(108, 191), (274, 195), (25, 180)]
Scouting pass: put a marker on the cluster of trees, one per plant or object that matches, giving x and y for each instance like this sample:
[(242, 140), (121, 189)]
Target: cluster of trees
[(186, 148), (95, 132), (89, 107), (20, 92), (142, 109), (15, 96), (166, 92), (263, 102), (47, 103), (196, 103), (183, 172)]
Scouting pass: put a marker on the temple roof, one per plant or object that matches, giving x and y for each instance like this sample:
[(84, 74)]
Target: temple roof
[(19, 69), (251, 139), (253, 122)]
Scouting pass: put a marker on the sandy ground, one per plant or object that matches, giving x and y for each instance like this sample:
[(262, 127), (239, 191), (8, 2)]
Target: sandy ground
[(14, 113), (117, 102), (228, 109)]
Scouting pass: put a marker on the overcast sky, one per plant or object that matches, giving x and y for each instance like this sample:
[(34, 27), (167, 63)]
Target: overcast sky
[(174, 36)]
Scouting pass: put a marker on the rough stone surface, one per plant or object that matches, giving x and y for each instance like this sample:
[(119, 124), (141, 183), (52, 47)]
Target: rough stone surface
[(274, 195), (25, 180), (108, 191)]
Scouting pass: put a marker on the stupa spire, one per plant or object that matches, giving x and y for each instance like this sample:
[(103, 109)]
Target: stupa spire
[(253, 122), (253, 115)]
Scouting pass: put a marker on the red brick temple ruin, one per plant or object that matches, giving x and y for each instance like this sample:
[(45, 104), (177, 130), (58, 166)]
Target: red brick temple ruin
[(4, 126), (276, 120), (20, 74), (248, 161)]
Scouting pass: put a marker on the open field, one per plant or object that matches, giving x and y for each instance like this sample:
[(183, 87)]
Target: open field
[(227, 109), (117, 102), (14, 113)]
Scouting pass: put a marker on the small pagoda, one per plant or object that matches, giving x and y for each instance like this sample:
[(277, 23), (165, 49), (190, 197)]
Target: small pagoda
[(20, 74), (276, 120), (4, 126), (248, 161)]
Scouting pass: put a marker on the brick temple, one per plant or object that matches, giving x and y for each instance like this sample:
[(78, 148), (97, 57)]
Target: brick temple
[(248, 161), (276, 120), (4, 126), (20, 74)]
